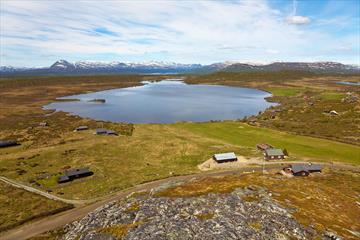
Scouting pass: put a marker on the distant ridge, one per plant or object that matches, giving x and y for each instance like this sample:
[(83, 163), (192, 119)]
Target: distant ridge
[(63, 67)]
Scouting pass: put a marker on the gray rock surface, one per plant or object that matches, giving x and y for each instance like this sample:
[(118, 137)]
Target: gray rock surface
[(248, 213)]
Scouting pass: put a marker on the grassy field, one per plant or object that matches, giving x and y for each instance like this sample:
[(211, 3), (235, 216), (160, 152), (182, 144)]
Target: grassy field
[(314, 200), (153, 152), (300, 147), (18, 206), (305, 100)]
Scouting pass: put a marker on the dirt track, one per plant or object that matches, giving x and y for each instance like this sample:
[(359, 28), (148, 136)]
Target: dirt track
[(37, 191), (61, 219)]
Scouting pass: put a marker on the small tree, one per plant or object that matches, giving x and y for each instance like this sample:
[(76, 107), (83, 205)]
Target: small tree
[(285, 152)]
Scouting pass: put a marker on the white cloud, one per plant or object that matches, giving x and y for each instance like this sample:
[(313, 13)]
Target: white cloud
[(298, 20), (272, 51), (187, 31)]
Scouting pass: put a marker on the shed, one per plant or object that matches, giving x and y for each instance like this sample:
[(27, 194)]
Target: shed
[(273, 154), (263, 146), (8, 143), (225, 157), (81, 128)]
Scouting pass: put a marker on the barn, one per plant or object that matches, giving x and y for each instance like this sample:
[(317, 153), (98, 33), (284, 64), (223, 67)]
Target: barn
[(225, 157)]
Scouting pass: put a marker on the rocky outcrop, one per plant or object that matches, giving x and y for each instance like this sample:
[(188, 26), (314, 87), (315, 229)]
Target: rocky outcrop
[(246, 213)]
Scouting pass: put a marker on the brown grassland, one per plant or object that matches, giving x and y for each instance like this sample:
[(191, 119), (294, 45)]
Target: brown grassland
[(146, 152)]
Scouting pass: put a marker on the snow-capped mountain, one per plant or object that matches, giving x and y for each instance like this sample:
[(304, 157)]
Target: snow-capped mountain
[(63, 67), (86, 65), (295, 66)]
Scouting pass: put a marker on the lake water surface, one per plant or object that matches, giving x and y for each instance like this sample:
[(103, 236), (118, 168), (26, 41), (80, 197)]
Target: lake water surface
[(349, 83), (167, 101)]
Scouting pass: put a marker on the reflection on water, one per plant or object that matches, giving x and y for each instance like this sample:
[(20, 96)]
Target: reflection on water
[(167, 101)]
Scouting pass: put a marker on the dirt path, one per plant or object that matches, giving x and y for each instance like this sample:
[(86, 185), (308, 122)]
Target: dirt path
[(61, 219), (42, 193), (242, 162)]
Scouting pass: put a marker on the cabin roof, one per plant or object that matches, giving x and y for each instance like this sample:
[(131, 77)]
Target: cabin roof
[(314, 167), (63, 178), (224, 156), (101, 130), (274, 152), (295, 168), (82, 127), (7, 143), (76, 171)]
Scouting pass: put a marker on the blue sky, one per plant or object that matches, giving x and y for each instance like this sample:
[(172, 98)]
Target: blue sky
[(39, 32)]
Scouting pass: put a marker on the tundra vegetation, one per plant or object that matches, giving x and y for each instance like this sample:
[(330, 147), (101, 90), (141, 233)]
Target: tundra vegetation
[(145, 152)]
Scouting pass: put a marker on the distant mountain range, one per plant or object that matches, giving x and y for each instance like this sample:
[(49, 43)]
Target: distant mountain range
[(63, 67)]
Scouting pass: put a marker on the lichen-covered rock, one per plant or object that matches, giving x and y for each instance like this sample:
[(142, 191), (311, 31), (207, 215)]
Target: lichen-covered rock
[(248, 213)]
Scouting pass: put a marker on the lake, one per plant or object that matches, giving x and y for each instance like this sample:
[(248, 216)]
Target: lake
[(349, 83), (167, 101)]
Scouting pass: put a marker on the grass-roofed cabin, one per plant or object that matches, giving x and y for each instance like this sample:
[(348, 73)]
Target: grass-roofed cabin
[(225, 157), (273, 154), (8, 143), (75, 173)]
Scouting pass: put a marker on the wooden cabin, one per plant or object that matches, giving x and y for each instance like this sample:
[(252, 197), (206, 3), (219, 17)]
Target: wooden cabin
[(303, 169), (274, 154)]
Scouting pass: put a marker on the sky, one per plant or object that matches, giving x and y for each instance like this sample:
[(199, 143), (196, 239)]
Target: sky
[(36, 33)]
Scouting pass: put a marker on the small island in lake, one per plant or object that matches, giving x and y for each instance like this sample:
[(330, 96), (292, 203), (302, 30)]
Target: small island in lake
[(98, 100)]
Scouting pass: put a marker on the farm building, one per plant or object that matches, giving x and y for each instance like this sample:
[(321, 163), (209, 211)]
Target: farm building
[(303, 169), (263, 146), (225, 157), (81, 128), (273, 154), (8, 143), (72, 174), (103, 131)]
